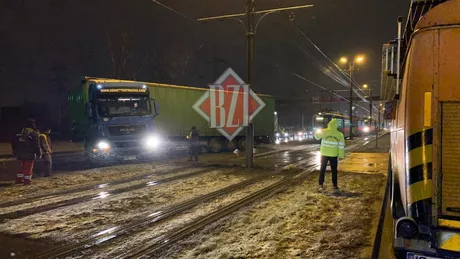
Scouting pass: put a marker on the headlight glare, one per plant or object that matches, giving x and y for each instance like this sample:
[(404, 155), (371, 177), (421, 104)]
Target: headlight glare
[(152, 141), (103, 145)]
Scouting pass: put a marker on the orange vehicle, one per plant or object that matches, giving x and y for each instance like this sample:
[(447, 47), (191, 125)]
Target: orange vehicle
[(425, 150)]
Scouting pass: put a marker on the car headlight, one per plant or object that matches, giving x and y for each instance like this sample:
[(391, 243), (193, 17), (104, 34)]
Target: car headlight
[(103, 145), (318, 131), (366, 129), (152, 141)]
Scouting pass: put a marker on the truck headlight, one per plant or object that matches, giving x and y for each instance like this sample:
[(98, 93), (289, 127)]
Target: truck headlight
[(152, 142), (103, 145)]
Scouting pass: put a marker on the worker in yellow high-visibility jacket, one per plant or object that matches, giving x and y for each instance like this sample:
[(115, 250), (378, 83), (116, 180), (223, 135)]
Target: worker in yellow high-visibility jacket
[(332, 148)]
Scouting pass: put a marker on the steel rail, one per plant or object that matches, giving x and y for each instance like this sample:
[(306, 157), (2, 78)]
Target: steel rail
[(157, 216), (95, 186), (175, 235), (102, 195)]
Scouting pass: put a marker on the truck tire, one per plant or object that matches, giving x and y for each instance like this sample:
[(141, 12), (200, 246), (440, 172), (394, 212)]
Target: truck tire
[(397, 208), (90, 160), (231, 145), (215, 145), (242, 143)]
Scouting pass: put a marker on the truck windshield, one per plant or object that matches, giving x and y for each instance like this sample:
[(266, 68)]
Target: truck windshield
[(112, 106)]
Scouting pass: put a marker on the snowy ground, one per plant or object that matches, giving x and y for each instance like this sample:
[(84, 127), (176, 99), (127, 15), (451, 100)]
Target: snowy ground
[(299, 222), (63, 181), (58, 146), (149, 235), (78, 221)]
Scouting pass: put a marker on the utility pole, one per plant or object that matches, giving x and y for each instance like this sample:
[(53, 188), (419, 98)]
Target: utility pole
[(370, 107), (378, 127), (351, 67), (250, 7), (251, 28)]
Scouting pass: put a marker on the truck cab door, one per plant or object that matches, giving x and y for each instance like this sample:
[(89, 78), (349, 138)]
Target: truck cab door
[(155, 107)]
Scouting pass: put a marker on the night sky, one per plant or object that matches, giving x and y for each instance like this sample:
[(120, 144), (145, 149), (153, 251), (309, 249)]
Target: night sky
[(46, 46)]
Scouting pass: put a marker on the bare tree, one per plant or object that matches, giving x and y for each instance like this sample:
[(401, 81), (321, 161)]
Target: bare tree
[(148, 60), (119, 46), (178, 60)]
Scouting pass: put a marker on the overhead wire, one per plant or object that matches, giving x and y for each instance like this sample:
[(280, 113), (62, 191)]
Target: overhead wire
[(315, 84), (357, 89), (174, 11)]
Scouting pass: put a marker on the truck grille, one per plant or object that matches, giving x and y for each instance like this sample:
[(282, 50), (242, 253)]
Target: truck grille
[(450, 159), (130, 144), (127, 130)]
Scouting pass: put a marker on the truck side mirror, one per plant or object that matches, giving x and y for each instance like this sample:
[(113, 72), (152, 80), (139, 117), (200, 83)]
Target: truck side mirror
[(389, 113), (89, 110), (156, 107)]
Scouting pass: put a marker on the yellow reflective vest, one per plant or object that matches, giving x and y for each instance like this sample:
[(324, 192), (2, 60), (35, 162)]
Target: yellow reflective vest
[(332, 140)]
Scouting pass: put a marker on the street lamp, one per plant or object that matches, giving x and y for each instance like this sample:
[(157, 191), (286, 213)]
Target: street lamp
[(351, 67), (366, 87)]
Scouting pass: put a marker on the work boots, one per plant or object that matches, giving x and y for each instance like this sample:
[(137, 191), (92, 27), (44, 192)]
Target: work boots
[(19, 179), (27, 179)]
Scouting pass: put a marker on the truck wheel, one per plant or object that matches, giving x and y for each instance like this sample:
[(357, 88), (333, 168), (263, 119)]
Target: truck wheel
[(242, 144), (215, 145), (231, 145), (91, 160), (397, 208)]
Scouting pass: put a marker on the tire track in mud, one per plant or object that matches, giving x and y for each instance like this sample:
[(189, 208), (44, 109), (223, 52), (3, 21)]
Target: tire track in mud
[(101, 195)]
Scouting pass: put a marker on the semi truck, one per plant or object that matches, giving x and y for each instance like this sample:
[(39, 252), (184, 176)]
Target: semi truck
[(424, 106), (121, 119)]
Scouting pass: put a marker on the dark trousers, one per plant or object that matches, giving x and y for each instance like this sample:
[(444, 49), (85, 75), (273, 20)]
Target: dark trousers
[(333, 163), (48, 161), (193, 151)]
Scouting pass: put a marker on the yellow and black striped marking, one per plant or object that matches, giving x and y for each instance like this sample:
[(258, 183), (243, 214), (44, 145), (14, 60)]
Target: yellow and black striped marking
[(419, 148)]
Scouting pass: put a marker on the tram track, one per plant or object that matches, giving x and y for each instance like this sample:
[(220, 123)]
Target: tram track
[(96, 186), (73, 201), (179, 233), (102, 187), (169, 238), (157, 217)]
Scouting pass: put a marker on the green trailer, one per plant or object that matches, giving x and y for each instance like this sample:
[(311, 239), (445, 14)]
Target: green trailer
[(178, 116)]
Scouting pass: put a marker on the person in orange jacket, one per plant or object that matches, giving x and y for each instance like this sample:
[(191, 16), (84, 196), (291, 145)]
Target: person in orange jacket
[(26, 147)]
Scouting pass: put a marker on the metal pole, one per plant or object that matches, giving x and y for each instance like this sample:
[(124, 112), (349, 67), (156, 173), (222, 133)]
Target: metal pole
[(351, 100), (398, 56), (370, 106), (301, 111), (250, 7), (377, 132)]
